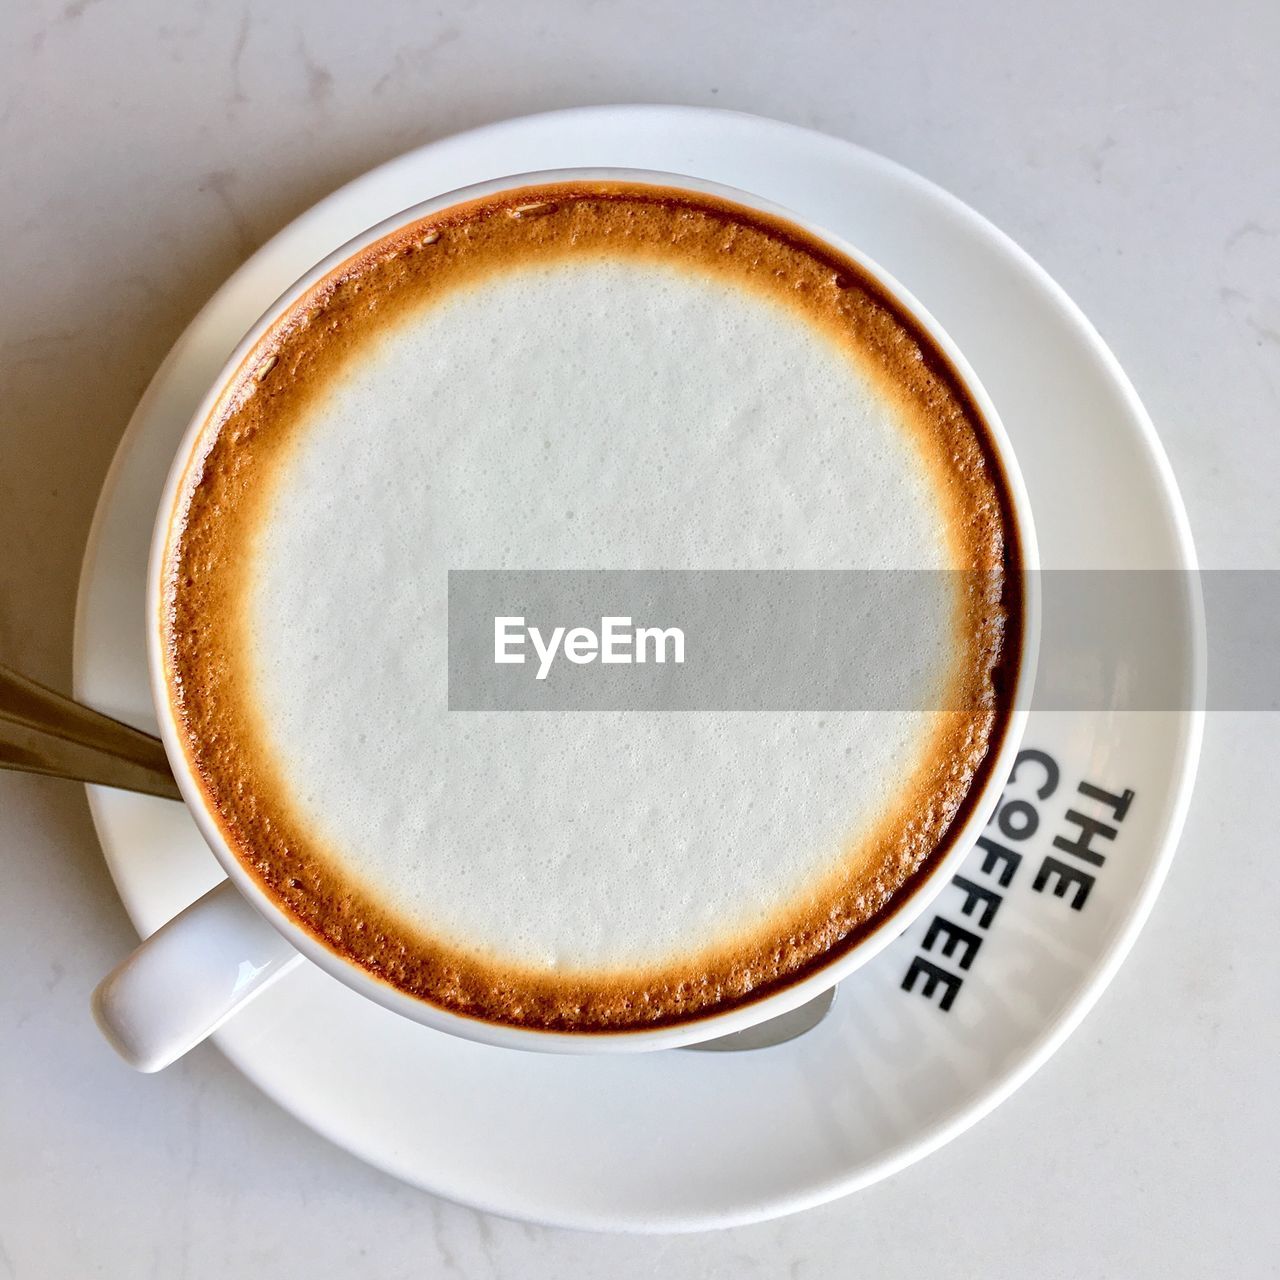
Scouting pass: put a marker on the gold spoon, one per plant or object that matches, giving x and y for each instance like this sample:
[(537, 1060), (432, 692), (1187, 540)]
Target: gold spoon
[(44, 732)]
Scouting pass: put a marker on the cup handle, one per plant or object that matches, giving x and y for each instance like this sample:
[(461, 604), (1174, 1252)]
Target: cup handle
[(188, 978)]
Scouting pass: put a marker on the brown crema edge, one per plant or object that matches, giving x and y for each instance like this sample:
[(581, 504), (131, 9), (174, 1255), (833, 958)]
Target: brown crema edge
[(249, 430)]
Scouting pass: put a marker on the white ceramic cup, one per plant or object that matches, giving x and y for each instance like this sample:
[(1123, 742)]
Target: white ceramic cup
[(197, 970)]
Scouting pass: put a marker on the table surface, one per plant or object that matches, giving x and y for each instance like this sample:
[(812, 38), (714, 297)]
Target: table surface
[(150, 146)]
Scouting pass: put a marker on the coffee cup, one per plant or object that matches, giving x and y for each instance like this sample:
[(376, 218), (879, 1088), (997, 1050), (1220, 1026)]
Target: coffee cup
[(557, 884)]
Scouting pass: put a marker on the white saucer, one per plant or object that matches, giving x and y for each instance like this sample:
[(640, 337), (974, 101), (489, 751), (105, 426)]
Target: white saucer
[(679, 1140)]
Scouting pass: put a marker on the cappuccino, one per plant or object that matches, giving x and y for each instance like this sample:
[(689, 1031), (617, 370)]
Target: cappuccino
[(591, 375)]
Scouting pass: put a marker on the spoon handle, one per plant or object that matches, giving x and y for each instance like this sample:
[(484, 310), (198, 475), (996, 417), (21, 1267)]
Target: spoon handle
[(44, 732)]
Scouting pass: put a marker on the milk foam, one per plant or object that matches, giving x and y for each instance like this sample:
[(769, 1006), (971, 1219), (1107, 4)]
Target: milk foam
[(601, 414)]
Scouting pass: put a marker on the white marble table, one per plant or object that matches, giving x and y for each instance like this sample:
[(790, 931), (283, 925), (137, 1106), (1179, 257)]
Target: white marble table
[(148, 147)]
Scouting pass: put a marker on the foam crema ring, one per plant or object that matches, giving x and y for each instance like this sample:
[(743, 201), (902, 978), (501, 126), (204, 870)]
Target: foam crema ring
[(584, 375)]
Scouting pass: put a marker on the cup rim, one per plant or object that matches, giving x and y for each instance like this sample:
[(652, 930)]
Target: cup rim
[(901, 914)]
